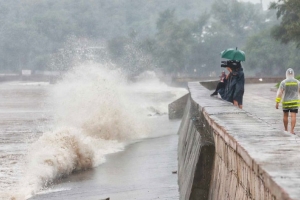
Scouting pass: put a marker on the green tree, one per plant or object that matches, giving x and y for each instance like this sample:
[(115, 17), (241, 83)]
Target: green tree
[(268, 57), (230, 26), (32, 31), (175, 40), (239, 19), (289, 28)]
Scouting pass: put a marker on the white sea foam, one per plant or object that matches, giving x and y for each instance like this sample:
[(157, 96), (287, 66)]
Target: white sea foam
[(156, 95), (94, 116), (96, 112), (98, 101)]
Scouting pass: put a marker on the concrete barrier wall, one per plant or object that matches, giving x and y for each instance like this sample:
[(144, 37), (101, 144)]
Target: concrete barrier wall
[(221, 153), (196, 153), (176, 108)]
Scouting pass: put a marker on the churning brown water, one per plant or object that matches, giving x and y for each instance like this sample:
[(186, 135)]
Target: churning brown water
[(48, 132)]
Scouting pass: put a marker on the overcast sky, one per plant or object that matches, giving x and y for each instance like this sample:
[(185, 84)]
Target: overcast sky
[(265, 2)]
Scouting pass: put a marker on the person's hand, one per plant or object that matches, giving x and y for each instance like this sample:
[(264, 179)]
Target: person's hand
[(277, 105)]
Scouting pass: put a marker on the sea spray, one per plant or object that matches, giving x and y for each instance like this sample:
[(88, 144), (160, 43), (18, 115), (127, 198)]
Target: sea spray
[(99, 101), (61, 152), (94, 115), (158, 94), (96, 112)]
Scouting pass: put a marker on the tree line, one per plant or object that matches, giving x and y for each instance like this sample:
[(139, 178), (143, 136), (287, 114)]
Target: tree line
[(175, 36), (33, 32)]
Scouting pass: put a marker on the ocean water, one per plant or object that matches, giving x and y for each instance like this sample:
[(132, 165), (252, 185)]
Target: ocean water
[(51, 131)]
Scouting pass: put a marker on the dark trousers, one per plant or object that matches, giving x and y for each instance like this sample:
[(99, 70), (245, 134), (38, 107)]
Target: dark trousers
[(219, 86)]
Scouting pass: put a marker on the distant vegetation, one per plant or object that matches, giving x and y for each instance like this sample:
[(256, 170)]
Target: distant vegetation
[(176, 36)]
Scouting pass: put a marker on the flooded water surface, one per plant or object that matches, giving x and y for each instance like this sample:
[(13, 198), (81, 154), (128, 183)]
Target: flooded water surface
[(91, 135)]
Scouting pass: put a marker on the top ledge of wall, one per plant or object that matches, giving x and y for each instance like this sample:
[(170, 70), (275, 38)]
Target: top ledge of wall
[(212, 84), (270, 152)]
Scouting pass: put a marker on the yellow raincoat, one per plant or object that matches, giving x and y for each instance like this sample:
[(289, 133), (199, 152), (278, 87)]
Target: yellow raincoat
[(288, 91)]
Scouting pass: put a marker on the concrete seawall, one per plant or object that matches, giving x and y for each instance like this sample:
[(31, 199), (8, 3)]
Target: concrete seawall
[(227, 153)]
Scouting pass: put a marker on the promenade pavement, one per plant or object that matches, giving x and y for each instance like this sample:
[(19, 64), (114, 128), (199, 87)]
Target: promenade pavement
[(274, 150), (257, 132)]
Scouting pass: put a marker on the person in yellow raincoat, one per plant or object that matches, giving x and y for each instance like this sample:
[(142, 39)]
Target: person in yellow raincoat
[(288, 95)]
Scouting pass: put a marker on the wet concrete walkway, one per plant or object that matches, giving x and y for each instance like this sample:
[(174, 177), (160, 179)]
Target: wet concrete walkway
[(258, 129), (259, 100)]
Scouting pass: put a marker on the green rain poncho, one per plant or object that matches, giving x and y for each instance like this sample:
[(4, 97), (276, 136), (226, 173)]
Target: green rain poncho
[(288, 91)]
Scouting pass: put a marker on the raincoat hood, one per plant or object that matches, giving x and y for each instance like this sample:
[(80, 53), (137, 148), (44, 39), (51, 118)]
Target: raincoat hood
[(290, 73)]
